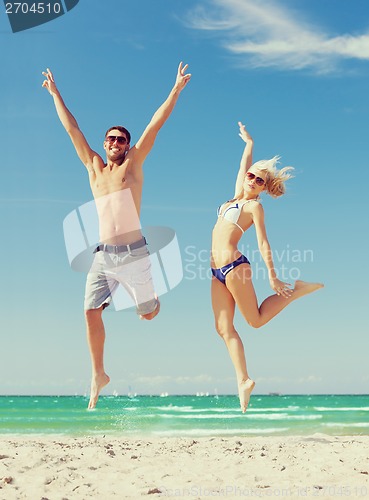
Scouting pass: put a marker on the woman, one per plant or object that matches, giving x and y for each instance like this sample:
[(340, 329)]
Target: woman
[(231, 282)]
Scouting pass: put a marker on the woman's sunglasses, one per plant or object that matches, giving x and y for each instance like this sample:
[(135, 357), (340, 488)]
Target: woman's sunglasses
[(259, 181), (112, 138)]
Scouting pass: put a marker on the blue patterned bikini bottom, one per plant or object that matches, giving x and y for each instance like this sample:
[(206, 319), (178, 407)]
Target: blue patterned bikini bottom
[(222, 272)]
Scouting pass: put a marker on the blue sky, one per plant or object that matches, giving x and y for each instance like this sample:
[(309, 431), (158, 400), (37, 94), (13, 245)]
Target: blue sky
[(297, 74)]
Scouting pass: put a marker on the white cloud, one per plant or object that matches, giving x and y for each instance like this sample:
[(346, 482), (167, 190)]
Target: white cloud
[(265, 34), (310, 379)]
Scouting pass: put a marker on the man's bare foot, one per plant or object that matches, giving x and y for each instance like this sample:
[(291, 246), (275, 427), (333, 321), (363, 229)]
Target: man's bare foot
[(154, 313), (98, 382), (245, 389), (303, 288)]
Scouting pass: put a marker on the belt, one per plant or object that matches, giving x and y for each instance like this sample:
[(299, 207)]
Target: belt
[(121, 248)]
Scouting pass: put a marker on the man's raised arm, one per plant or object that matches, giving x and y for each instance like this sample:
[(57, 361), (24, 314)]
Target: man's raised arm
[(146, 141), (85, 153)]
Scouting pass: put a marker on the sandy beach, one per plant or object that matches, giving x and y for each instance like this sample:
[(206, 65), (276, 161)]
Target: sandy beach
[(59, 467)]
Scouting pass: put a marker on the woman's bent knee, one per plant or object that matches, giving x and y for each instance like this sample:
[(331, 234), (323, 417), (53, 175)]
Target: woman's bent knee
[(254, 323)]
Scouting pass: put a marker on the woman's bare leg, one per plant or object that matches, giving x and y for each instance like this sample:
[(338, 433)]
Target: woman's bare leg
[(240, 285), (224, 307)]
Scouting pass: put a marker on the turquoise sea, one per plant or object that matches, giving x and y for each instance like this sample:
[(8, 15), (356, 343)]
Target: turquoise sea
[(196, 416)]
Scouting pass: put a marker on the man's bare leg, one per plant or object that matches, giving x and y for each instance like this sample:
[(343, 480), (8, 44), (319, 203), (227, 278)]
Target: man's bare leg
[(96, 340), (154, 313)]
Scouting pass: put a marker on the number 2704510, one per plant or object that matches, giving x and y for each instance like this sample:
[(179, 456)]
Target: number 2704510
[(34, 8)]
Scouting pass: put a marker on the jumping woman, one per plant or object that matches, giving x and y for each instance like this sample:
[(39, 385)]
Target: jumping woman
[(232, 276)]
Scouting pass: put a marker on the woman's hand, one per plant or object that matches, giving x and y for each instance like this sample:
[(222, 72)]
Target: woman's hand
[(245, 136), (280, 287)]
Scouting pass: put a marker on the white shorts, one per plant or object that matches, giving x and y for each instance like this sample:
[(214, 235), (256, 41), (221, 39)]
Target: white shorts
[(131, 269)]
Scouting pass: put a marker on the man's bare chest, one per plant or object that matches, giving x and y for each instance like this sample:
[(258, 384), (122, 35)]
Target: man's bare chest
[(109, 181)]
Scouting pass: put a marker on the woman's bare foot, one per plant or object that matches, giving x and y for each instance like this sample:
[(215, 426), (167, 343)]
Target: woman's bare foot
[(303, 288), (245, 389), (98, 382)]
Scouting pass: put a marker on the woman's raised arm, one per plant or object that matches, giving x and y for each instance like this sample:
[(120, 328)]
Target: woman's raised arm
[(246, 160)]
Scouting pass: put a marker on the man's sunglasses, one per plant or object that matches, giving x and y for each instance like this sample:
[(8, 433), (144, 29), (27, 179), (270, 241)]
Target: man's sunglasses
[(259, 181), (112, 138)]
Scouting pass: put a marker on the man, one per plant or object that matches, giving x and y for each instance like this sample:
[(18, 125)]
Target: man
[(122, 256)]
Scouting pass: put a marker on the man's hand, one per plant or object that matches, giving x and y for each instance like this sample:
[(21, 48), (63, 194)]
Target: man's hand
[(182, 79), (49, 83)]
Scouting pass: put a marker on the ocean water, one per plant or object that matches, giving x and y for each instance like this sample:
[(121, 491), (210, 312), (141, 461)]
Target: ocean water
[(185, 416)]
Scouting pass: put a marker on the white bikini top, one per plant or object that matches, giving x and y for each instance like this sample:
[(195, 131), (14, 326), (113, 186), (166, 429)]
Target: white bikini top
[(233, 211)]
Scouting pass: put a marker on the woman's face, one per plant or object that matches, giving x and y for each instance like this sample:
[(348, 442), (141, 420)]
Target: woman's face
[(254, 181)]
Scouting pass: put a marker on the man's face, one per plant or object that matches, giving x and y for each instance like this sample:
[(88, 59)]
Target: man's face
[(116, 145)]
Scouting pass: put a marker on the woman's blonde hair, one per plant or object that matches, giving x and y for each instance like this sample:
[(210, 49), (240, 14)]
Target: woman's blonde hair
[(275, 179)]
